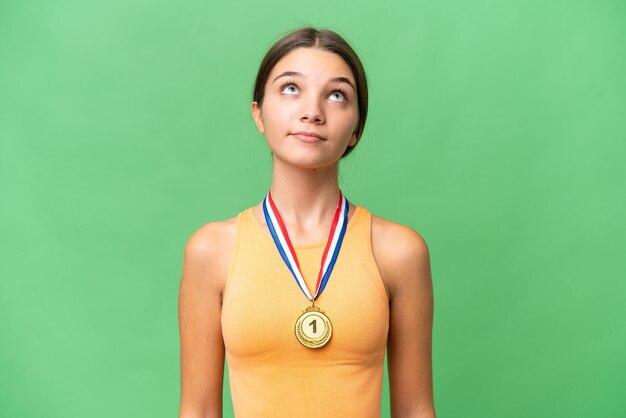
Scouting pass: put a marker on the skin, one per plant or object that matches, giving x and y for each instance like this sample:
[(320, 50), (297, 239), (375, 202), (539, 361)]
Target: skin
[(305, 187)]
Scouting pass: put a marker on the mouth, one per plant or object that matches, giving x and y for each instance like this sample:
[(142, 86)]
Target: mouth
[(308, 136)]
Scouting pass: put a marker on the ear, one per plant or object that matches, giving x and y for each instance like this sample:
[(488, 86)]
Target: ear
[(258, 119), (353, 140)]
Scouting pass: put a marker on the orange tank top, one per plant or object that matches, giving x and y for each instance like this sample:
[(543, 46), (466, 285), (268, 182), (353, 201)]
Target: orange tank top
[(271, 373)]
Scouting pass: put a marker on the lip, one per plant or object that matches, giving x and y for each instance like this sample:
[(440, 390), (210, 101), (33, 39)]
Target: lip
[(307, 136)]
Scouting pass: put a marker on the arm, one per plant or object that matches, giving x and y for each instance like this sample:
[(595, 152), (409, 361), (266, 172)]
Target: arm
[(405, 263), (199, 313)]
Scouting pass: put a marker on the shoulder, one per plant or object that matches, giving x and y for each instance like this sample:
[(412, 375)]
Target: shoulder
[(401, 254), (208, 252), (210, 237)]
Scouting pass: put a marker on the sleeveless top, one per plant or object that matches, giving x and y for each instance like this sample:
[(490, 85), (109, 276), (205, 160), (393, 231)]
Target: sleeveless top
[(273, 375)]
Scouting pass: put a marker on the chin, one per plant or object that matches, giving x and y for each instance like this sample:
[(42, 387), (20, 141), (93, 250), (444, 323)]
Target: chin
[(307, 161)]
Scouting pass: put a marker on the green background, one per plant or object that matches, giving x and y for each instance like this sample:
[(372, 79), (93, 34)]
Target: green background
[(496, 129)]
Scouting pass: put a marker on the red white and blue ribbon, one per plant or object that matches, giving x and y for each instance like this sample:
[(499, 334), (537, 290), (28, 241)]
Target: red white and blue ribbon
[(285, 248)]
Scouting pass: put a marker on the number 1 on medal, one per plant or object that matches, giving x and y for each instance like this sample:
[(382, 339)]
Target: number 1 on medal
[(311, 333)]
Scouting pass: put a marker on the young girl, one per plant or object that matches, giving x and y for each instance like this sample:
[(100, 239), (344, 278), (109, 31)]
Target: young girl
[(303, 292)]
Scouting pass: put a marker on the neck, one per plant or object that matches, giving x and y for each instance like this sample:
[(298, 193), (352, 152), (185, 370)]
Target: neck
[(306, 198)]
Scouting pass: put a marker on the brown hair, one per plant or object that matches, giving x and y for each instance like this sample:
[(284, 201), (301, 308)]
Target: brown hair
[(326, 40)]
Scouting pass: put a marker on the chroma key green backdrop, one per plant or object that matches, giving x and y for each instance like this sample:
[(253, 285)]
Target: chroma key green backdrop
[(496, 129)]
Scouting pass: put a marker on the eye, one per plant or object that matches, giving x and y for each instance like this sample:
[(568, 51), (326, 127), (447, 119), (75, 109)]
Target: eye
[(342, 95), (288, 83)]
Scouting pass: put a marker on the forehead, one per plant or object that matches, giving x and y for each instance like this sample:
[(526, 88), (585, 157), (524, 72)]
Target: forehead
[(313, 63)]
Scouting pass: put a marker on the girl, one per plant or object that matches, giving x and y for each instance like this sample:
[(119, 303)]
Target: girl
[(304, 292)]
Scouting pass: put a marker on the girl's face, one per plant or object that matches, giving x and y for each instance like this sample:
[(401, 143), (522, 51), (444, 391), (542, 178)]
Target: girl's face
[(309, 90)]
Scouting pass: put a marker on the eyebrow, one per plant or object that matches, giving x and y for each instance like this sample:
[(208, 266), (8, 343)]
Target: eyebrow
[(297, 74)]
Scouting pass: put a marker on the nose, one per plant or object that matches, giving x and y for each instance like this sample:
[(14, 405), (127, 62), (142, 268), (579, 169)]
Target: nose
[(312, 111)]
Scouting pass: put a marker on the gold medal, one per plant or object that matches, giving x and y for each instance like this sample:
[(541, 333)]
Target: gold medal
[(313, 328)]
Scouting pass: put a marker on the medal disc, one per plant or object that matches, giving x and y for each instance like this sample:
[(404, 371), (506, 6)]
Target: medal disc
[(313, 328)]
